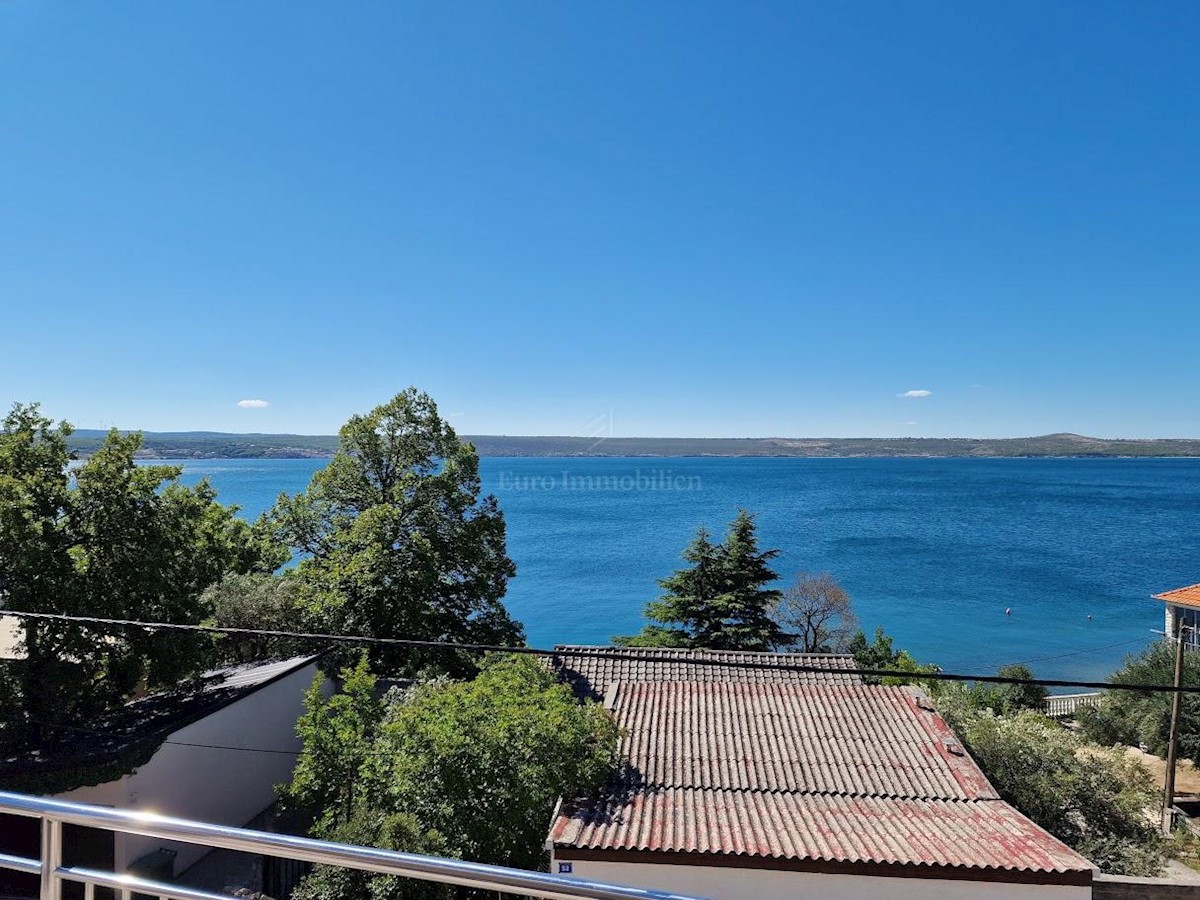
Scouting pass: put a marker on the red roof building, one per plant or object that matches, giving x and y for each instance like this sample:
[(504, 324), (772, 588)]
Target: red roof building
[(1182, 613), (783, 789)]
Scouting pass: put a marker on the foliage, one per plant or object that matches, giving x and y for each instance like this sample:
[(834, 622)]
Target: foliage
[(1136, 718), (1092, 799), (721, 601), (370, 828), (817, 614), (109, 539), (255, 600), (880, 654), (472, 768), (398, 541), (338, 735)]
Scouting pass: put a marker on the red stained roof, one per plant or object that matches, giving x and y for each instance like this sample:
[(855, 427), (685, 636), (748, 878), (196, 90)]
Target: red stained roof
[(1187, 596), (820, 773), (830, 739), (591, 670), (987, 834)]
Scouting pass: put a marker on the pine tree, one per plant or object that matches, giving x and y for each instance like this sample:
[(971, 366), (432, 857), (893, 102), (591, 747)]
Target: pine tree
[(721, 601)]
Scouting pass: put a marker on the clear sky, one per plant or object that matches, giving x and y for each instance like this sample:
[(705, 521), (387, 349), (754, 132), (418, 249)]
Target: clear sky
[(730, 218)]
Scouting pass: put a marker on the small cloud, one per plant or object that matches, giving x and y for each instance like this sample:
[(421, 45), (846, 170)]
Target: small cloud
[(910, 423), (916, 395), (253, 404)]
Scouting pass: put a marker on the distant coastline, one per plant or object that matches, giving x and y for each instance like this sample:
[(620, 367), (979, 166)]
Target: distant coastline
[(218, 445)]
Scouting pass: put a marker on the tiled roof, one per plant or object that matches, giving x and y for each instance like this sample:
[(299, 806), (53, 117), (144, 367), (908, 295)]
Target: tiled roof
[(1189, 596), (987, 834), (591, 670), (810, 774), (829, 739)]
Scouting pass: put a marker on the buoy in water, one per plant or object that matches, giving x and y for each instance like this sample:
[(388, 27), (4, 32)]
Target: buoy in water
[(1008, 610)]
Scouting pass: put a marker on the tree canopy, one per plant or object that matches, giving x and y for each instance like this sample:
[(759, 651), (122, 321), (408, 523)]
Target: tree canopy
[(721, 601), (880, 654), (468, 769), (111, 539), (1093, 799), (816, 611), (397, 539), (1135, 718)]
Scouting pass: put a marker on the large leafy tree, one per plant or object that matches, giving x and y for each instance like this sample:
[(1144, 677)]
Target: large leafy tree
[(721, 601), (110, 539), (1134, 717), (398, 541), (468, 769)]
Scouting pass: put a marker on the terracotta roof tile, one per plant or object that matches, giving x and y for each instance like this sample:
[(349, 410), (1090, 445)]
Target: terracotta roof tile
[(987, 834), (1188, 596), (591, 670), (839, 739), (839, 773)]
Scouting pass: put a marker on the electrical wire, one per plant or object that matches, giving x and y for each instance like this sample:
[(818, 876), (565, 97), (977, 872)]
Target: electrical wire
[(1026, 662), (614, 653)]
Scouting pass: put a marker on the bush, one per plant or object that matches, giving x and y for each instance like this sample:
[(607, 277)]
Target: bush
[(1144, 719), (1093, 799)]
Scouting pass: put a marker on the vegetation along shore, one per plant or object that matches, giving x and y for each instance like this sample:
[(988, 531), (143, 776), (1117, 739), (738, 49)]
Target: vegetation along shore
[(218, 445)]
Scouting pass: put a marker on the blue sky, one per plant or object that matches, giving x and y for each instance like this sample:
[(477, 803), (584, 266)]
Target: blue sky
[(696, 218)]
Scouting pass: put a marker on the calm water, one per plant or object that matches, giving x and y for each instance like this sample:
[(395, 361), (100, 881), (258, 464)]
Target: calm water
[(933, 550)]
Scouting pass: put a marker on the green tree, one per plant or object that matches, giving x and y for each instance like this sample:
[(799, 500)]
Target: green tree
[(338, 736), (1134, 717), (880, 654), (259, 601), (397, 539), (1092, 799), (467, 769), (110, 539), (1010, 698), (721, 600)]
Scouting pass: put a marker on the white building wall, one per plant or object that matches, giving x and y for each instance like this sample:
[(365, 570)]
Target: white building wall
[(12, 637), (721, 883), (225, 787)]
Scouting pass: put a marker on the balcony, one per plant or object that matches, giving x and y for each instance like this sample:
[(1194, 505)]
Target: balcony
[(54, 875)]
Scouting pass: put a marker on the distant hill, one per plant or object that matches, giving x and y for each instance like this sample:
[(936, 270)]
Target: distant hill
[(217, 445)]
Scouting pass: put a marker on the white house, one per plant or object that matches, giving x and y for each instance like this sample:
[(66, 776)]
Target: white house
[(1182, 608), (211, 755)]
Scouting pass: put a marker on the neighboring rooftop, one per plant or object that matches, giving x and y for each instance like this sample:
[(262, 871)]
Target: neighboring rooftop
[(1184, 596), (132, 734), (592, 670), (813, 777)]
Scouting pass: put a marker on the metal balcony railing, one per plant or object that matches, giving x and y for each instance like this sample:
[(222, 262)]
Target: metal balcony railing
[(56, 813)]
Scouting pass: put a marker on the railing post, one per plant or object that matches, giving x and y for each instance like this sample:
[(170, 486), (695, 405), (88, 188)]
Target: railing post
[(51, 857)]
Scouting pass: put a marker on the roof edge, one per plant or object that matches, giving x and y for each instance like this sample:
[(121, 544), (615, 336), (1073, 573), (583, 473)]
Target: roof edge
[(931, 871)]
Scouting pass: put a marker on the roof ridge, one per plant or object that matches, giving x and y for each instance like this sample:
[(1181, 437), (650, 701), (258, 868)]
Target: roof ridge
[(646, 786)]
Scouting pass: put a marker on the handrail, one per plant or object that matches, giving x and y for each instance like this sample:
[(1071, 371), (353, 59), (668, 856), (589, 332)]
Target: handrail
[(55, 813)]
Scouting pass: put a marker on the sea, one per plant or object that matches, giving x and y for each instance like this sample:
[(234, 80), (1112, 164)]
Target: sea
[(968, 563)]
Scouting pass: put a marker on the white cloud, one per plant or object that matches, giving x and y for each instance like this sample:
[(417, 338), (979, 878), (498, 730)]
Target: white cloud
[(916, 395), (253, 404), (910, 423)]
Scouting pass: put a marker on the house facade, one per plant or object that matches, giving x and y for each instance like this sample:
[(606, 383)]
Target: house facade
[(212, 755), (1181, 607)]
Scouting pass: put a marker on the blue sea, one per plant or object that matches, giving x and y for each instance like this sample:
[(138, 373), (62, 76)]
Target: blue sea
[(933, 550)]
